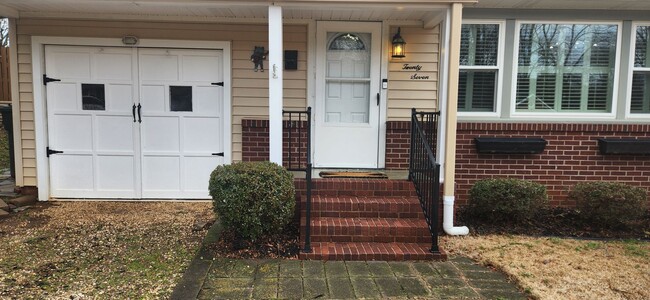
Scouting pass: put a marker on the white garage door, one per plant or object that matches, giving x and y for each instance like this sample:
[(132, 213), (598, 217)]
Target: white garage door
[(133, 123)]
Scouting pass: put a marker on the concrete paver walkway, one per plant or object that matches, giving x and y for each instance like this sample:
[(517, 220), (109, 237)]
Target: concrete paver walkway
[(458, 278)]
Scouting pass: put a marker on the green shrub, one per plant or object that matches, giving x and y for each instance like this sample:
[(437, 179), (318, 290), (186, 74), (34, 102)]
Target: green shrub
[(253, 198), (505, 199), (610, 203)]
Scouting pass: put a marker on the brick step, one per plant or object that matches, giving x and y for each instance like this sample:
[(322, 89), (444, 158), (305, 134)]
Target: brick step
[(363, 207), (357, 187), (372, 251), (381, 230)]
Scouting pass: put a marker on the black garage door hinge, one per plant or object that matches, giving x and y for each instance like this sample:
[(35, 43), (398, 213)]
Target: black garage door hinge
[(48, 79), (218, 83), (50, 151)]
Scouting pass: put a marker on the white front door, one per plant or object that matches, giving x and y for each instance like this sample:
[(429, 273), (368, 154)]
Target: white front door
[(133, 123), (347, 85)]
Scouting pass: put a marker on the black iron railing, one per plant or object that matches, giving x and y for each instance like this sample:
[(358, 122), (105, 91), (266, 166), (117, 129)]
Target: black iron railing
[(424, 171), (297, 157)]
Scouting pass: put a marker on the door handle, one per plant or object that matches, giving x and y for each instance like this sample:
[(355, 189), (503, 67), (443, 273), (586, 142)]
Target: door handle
[(139, 113), (378, 97), (134, 114), (218, 154)]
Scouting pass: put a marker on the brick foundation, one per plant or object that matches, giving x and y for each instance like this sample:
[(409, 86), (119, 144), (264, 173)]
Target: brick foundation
[(255, 142), (571, 156)]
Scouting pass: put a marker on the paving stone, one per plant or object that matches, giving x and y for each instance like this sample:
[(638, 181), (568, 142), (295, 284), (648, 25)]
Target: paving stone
[(314, 288), (226, 288), (290, 288), (243, 268), (489, 276), (425, 269), (3, 213), (456, 293), (389, 287), (265, 288), (447, 270), (413, 286), (290, 268), (221, 267), (358, 268), (439, 282), (313, 268), (497, 294), (4, 206), (340, 288), (472, 268), (402, 269), (380, 269), (267, 269), (365, 287), (335, 269), (462, 260)]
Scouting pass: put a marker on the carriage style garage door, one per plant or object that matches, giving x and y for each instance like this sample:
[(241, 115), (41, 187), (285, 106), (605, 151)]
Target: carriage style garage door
[(133, 123)]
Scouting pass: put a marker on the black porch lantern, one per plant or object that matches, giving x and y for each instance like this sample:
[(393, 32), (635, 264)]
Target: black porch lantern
[(399, 46)]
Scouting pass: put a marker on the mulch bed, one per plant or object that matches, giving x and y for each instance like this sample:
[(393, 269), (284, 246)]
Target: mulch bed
[(284, 245), (561, 222)]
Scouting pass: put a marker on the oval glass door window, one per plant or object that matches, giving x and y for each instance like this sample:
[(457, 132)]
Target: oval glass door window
[(180, 98)]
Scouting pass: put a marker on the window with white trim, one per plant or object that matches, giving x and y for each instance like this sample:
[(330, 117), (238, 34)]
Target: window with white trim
[(640, 100), (566, 67), (479, 68)]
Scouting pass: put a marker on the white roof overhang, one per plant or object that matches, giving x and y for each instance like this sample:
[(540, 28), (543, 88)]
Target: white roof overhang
[(416, 11)]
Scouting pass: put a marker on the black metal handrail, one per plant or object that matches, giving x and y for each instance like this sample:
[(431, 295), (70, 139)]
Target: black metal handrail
[(424, 171), (297, 126)]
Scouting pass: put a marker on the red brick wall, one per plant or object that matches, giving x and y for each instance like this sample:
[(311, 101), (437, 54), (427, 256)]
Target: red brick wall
[(571, 156), (398, 141), (255, 142)]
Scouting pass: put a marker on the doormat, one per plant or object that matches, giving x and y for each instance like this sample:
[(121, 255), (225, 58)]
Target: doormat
[(377, 175)]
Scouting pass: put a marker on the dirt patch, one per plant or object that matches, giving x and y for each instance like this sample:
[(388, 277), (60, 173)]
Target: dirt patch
[(554, 268), (558, 222), (80, 250), (284, 245)]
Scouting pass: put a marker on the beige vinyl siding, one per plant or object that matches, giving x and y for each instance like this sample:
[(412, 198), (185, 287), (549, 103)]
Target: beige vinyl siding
[(249, 88), (422, 48)]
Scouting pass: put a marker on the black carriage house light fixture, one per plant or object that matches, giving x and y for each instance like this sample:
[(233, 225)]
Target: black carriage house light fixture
[(399, 45)]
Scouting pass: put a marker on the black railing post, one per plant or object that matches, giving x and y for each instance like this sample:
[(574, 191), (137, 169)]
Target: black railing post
[(303, 138), (424, 170)]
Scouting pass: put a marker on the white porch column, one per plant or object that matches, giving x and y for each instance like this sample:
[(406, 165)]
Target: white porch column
[(275, 84), (455, 25)]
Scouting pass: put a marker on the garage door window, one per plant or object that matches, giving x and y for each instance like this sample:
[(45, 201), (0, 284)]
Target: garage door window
[(93, 96), (180, 98)]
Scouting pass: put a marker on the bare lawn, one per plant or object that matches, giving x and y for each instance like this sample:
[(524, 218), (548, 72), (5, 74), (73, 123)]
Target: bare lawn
[(89, 250), (554, 268)]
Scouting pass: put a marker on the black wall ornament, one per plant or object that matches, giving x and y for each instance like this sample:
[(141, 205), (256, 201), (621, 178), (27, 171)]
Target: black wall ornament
[(258, 58)]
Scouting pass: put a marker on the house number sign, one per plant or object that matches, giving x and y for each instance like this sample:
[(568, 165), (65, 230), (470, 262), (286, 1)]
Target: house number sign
[(415, 69)]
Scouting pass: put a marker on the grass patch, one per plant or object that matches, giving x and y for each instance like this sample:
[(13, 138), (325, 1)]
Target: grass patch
[(558, 268)]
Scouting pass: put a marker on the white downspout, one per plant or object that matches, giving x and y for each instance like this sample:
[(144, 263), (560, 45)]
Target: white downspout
[(445, 108)]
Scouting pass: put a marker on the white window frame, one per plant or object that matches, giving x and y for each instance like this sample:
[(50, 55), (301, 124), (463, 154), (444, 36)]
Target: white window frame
[(630, 75), (565, 115), (499, 67)]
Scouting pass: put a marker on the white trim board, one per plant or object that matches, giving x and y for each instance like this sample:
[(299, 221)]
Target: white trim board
[(40, 113)]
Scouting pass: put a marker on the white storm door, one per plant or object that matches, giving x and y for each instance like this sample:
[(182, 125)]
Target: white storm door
[(182, 122), (347, 85), (90, 119)]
